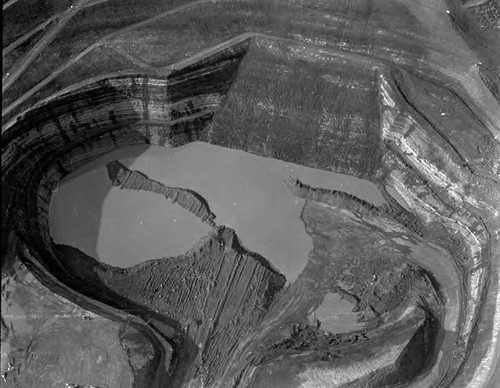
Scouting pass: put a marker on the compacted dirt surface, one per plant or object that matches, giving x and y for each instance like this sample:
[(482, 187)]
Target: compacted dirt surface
[(402, 95)]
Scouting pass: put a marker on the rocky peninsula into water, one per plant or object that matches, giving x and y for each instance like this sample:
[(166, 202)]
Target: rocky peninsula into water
[(134, 180)]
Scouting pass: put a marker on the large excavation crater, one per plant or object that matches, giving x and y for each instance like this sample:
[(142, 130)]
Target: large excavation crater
[(243, 228), (203, 183), (123, 227)]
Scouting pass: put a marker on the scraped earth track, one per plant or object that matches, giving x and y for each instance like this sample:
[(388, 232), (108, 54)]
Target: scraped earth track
[(223, 309)]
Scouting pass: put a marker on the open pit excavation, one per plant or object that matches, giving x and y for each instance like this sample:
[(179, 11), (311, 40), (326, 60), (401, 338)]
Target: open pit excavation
[(155, 226), (251, 193)]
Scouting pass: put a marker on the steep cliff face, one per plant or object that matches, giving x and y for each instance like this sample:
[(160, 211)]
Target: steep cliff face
[(334, 198), (307, 107), (124, 178)]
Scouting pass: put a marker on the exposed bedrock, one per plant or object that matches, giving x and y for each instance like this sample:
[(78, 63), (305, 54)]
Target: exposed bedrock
[(458, 205), (358, 206), (333, 198), (190, 200), (191, 300)]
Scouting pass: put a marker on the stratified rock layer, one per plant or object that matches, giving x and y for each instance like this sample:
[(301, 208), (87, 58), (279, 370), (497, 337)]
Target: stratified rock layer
[(126, 179), (407, 149)]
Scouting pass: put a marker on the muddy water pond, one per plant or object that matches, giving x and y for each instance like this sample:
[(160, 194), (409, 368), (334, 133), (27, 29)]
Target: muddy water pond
[(246, 192), (336, 315)]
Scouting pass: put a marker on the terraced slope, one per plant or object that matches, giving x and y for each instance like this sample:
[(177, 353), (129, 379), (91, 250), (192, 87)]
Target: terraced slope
[(393, 91)]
